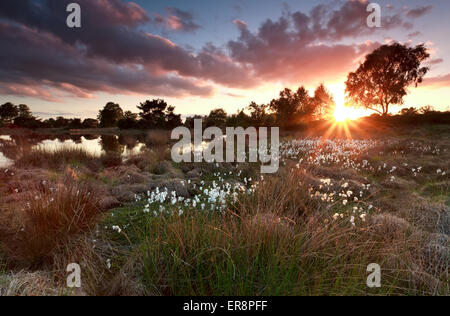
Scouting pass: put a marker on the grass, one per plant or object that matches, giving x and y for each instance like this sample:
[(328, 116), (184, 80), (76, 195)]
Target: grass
[(67, 156), (278, 240), (51, 218), (54, 158), (274, 242)]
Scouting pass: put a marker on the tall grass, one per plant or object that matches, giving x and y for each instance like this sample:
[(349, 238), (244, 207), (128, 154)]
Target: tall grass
[(275, 242), (45, 158), (67, 156), (52, 217)]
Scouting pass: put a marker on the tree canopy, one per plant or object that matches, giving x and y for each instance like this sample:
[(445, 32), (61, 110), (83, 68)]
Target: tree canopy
[(110, 115), (158, 114), (8, 112), (385, 75)]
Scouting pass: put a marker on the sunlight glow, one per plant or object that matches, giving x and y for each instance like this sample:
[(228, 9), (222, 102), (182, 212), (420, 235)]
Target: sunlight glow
[(343, 111)]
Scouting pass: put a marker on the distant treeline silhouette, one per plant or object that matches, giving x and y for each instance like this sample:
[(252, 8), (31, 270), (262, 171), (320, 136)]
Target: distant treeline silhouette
[(291, 109), (157, 114), (380, 81)]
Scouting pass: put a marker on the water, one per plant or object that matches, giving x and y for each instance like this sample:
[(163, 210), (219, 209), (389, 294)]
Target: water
[(11, 146)]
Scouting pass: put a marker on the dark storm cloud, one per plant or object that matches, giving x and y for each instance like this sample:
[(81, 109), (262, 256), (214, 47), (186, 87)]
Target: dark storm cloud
[(108, 41), (51, 63), (111, 52)]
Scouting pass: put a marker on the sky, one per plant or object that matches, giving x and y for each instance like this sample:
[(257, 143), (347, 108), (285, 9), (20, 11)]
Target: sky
[(201, 54)]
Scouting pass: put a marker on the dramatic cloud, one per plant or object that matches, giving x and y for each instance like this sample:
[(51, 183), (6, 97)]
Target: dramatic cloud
[(108, 53), (299, 46), (41, 57), (54, 64), (177, 20)]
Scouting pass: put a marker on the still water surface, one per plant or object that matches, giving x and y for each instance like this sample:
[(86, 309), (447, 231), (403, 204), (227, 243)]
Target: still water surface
[(11, 147)]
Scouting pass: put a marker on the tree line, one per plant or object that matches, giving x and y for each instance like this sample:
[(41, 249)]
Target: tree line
[(291, 108), (380, 81)]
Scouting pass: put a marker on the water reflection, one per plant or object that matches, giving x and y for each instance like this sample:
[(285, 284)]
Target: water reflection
[(12, 146)]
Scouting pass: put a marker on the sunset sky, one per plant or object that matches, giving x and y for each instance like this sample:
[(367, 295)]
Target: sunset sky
[(204, 54)]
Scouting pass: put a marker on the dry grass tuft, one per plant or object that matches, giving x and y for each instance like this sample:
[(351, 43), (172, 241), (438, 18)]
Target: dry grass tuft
[(52, 216)]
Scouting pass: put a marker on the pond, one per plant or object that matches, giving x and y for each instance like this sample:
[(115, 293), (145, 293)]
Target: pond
[(12, 146)]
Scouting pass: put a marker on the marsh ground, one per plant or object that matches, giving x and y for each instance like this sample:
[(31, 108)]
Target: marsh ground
[(146, 226)]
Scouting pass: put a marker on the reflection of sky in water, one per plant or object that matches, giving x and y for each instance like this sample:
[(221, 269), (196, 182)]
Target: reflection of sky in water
[(92, 146), (4, 162)]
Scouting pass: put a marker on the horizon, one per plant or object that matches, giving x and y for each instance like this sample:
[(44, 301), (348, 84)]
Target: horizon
[(176, 52)]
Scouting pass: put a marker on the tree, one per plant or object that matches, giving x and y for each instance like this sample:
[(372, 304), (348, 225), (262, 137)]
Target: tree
[(258, 113), (173, 120), (90, 123), (130, 115), (49, 123), (189, 123), (24, 111), (409, 111), (110, 115), (217, 117), (290, 107), (8, 112), (385, 75), (75, 123), (61, 122), (158, 114), (129, 121), (426, 109), (28, 122), (240, 119), (323, 102)]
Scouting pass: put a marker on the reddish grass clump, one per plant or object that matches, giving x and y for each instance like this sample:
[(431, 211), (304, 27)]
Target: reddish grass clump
[(52, 216)]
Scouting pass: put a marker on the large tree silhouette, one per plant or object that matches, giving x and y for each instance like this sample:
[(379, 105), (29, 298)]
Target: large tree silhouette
[(110, 115), (8, 112), (382, 80), (158, 114)]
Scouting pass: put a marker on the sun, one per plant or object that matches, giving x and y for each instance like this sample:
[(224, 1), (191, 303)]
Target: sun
[(344, 111), (342, 114)]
